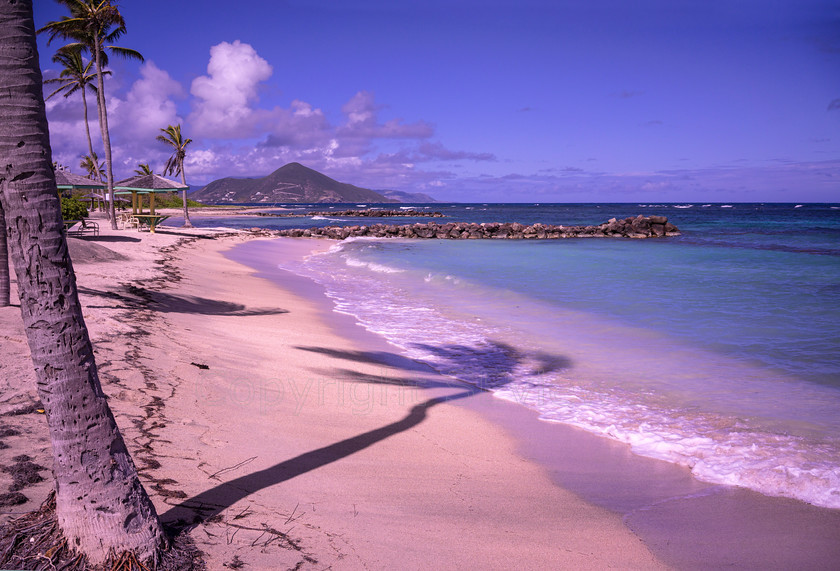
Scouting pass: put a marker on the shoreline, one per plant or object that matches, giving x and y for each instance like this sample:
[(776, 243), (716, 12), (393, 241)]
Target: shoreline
[(684, 520), (298, 443), (296, 446)]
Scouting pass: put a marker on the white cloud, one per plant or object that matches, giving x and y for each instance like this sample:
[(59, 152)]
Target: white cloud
[(224, 96), (362, 114), (300, 127), (235, 136), (148, 106)]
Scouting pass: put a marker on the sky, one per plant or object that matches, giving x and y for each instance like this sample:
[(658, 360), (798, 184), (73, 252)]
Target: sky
[(480, 100)]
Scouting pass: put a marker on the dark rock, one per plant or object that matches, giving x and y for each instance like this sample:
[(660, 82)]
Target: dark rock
[(638, 227)]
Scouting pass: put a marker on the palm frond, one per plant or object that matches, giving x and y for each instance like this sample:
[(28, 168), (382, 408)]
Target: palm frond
[(126, 53)]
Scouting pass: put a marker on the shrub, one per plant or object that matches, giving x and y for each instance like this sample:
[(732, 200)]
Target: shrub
[(73, 209), (174, 200)]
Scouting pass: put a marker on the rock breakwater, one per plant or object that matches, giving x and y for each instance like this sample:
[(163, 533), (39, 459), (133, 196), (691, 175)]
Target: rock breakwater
[(356, 213), (638, 227)]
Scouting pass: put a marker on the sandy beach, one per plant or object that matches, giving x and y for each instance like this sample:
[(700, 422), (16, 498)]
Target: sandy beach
[(276, 438)]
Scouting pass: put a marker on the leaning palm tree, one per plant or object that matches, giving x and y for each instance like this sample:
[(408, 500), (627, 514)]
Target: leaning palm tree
[(5, 278), (95, 170), (75, 77), (143, 168), (101, 505), (175, 164), (92, 26)]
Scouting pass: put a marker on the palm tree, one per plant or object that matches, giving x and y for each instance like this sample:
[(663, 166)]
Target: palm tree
[(92, 26), (175, 164), (76, 76), (5, 278), (95, 170), (101, 505), (143, 168)]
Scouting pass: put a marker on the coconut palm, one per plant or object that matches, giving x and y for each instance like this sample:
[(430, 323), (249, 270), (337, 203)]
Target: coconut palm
[(143, 168), (95, 170), (5, 278), (101, 505), (175, 164), (92, 26), (75, 77)]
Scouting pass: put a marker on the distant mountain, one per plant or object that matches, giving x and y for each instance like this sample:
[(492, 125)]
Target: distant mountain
[(413, 197), (290, 183)]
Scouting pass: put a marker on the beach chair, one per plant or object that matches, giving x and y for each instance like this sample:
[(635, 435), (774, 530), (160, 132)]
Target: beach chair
[(80, 227), (126, 220)]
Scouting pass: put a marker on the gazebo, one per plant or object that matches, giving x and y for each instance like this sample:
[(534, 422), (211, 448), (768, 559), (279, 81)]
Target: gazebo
[(65, 180), (96, 200), (146, 184)]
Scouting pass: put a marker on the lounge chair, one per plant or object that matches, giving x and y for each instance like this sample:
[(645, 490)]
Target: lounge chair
[(80, 227)]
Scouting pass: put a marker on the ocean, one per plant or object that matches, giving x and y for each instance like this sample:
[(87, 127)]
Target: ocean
[(718, 349)]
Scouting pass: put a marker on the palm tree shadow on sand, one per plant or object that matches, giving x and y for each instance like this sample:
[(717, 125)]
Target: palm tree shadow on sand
[(502, 358), (134, 297)]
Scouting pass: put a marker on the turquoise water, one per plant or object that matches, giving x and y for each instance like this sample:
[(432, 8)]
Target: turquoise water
[(716, 349)]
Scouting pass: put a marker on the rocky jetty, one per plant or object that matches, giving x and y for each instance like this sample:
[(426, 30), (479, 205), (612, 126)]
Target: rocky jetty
[(355, 213), (638, 227)]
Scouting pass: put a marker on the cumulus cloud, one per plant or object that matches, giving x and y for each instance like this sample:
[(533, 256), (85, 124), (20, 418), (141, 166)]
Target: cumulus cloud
[(224, 95), (147, 107), (237, 136), (362, 114), (301, 126), (134, 117)]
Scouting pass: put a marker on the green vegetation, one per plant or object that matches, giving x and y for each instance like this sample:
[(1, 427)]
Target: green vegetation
[(73, 209), (172, 200)]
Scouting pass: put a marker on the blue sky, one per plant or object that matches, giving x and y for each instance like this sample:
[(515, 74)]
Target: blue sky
[(491, 100)]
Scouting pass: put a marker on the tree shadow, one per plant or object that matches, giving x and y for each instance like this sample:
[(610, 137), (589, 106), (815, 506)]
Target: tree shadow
[(168, 230), (140, 298), (217, 499), (491, 364), (357, 376), (212, 502), (104, 238), (375, 357)]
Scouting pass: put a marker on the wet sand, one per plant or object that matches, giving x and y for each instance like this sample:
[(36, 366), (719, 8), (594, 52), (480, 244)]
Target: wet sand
[(687, 523)]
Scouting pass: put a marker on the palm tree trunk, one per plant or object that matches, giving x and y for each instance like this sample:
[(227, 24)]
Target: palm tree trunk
[(103, 126), (87, 130), (100, 503), (187, 223), (5, 278)]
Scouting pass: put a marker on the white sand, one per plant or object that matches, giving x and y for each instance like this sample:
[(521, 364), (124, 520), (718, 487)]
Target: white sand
[(294, 457)]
